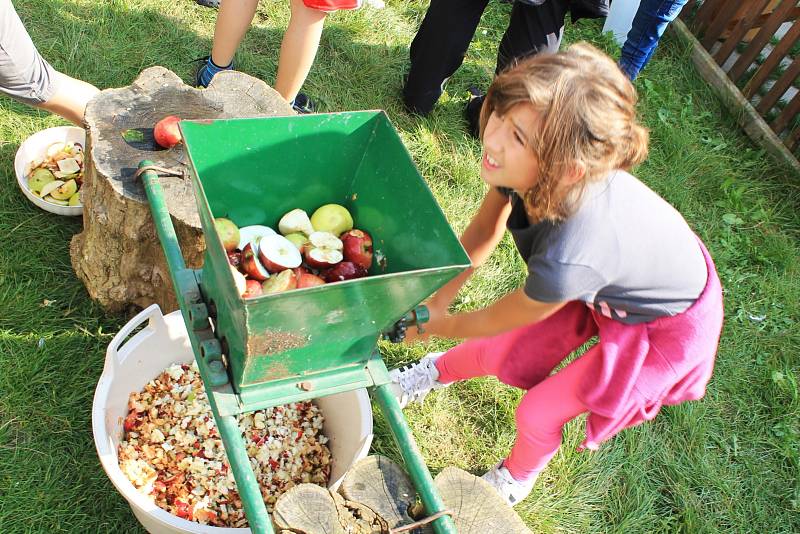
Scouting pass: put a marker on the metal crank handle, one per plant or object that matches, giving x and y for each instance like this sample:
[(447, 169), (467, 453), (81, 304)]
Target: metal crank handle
[(397, 332)]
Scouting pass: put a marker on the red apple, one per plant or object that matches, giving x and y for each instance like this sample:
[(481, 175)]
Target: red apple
[(251, 264), (323, 250), (357, 247), (253, 289), (278, 253), (346, 270), (166, 132), (283, 281), (228, 233), (235, 258), (307, 279), (322, 258)]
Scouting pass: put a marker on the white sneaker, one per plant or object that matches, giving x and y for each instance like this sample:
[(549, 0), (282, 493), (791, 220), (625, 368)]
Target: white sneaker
[(413, 382), (509, 488)]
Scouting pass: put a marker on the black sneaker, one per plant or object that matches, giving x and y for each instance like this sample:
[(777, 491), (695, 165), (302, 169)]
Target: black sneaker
[(201, 72), (208, 3), (304, 105), (473, 112)]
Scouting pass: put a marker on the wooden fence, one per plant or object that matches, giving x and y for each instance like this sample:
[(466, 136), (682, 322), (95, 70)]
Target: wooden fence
[(756, 43)]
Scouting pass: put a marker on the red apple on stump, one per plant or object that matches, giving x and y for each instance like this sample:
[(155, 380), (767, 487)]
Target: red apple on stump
[(346, 270), (357, 247), (166, 132)]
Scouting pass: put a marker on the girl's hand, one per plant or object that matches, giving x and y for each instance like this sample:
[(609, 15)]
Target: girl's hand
[(436, 324)]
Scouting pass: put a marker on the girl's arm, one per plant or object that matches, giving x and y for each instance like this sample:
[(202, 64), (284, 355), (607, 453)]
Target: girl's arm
[(481, 237), (512, 311)]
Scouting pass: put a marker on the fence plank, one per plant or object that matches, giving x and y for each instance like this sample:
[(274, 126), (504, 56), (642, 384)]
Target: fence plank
[(780, 87), (762, 38), (744, 25), (788, 113), (687, 9), (794, 14), (772, 61), (793, 140), (704, 15), (721, 20)]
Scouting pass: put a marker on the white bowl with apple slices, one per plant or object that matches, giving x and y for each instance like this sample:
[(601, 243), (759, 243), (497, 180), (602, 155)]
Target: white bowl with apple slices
[(33, 148)]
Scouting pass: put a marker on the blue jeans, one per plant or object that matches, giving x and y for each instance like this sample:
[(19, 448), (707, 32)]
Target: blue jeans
[(652, 18)]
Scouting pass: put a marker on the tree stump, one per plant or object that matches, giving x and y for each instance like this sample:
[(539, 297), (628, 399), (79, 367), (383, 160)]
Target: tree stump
[(382, 485), (118, 256)]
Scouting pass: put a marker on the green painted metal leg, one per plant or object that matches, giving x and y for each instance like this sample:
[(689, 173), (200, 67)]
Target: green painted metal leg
[(187, 292), (415, 465), (246, 483)]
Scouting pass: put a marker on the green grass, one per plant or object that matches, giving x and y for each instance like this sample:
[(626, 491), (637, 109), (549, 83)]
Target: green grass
[(729, 463)]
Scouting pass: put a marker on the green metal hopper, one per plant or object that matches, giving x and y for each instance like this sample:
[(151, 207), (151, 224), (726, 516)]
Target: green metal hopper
[(311, 342)]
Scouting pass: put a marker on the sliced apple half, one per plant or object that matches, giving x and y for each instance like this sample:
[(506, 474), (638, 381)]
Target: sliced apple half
[(251, 265), (295, 221), (278, 253), (250, 233)]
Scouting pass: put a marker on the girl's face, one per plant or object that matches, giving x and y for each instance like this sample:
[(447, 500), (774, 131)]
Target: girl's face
[(508, 161)]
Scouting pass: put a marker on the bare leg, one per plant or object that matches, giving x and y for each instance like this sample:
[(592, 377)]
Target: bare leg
[(233, 21), (70, 98), (298, 48)]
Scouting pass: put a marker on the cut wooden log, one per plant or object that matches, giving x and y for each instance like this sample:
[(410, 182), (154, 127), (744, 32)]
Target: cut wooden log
[(118, 256), (383, 486), (477, 507), (311, 509), (307, 508)]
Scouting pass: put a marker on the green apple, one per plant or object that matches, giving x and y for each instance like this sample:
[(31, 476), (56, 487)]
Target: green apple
[(65, 191), (75, 200), (228, 233), (38, 179), (298, 239), (332, 218)]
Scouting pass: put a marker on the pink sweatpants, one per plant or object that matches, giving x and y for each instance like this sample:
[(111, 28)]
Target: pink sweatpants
[(544, 409)]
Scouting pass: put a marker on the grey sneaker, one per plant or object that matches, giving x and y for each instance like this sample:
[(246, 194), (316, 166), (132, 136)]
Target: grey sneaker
[(413, 382), (509, 488)]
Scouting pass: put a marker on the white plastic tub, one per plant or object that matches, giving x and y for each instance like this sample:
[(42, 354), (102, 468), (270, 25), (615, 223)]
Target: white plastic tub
[(132, 363)]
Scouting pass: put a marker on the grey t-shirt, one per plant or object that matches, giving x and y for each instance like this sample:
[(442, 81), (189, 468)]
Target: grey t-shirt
[(625, 251)]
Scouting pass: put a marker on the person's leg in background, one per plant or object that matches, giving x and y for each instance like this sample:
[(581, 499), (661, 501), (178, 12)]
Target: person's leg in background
[(531, 30), (649, 24), (438, 50), (298, 49), (28, 78), (233, 21)]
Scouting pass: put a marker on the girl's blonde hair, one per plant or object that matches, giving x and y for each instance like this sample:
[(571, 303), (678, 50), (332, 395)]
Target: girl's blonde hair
[(587, 111)]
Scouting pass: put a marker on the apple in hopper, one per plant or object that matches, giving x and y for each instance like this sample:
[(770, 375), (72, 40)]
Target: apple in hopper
[(228, 233), (323, 250), (235, 258), (253, 289), (251, 265), (296, 221), (357, 247), (283, 281), (298, 239), (332, 218), (346, 270), (278, 253), (166, 132), (248, 234), (239, 280), (307, 279)]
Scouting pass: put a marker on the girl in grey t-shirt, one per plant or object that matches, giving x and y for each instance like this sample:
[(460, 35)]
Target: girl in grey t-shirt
[(606, 257)]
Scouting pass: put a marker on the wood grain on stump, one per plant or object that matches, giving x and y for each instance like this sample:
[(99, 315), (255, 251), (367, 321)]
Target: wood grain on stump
[(118, 256), (382, 485)]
